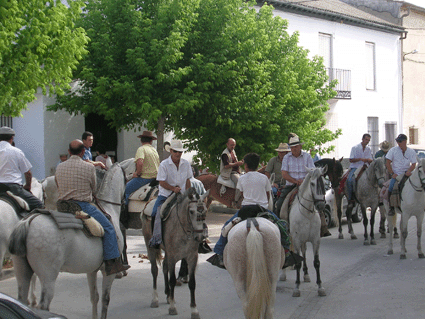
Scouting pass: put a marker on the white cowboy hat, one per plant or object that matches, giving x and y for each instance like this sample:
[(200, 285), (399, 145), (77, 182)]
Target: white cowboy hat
[(283, 147), (7, 130), (175, 145), (385, 146), (294, 140)]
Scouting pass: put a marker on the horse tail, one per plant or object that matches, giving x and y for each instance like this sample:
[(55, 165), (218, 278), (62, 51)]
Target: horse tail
[(18, 239), (259, 289)]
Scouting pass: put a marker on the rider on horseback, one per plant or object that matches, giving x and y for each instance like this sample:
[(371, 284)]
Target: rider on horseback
[(229, 165), (76, 180), (275, 166), (255, 188), (13, 164)]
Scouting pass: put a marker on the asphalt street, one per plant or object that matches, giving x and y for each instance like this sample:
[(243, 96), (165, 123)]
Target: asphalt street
[(360, 281)]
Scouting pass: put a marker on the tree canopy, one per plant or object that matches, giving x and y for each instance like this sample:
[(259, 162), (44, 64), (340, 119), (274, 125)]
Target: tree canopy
[(207, 70), (39, 47)]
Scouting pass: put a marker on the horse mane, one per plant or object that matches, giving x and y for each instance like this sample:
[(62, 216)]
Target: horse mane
[(103, 178), (332, 163)]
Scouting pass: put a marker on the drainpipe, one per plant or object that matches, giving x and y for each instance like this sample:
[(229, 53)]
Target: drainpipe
[(403, 37)]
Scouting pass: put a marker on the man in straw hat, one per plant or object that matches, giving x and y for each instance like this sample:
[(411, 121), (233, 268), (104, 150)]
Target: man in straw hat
[(14, 164), (399, 160), (294, 172), (147, 163), (275, 165), (384, 148)]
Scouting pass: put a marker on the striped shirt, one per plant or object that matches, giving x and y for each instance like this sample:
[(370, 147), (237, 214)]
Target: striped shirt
[(295, 166), (76, 180)]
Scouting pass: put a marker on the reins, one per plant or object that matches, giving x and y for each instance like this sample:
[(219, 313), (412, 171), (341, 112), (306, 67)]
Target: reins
[(199, 218), (418, 188)]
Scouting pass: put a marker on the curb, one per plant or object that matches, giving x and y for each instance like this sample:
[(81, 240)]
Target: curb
[(7, 273)]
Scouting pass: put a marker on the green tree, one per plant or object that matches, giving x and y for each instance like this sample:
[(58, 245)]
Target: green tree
[(207, 70), (39, 47)]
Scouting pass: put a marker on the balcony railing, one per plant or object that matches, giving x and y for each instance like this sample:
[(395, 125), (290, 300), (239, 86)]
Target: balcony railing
[(343, 87)]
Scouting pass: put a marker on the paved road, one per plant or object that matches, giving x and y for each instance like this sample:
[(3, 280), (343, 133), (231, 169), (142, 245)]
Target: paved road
[(360, 281)]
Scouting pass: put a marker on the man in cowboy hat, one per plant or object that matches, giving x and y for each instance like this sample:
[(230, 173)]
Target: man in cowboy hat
[(275, 165), (399, 160), (360, 154), (384, 148), (13, 164), (147, 163)]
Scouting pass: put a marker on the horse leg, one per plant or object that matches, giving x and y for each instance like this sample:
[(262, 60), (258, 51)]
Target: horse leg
[(396, 235), (304, 263), (124, 252), (94, 294), (106, 294), (297, 292), (282, 275), (403, 227), (192, 285), (365, 223), (391, 222), (419, 220), (172, 272), (372, 224), (350, 207), (382, 221), (166, 278), (47, 291), (338, 199), (23, 274), (321, 290), (183, 272), (154, 271)]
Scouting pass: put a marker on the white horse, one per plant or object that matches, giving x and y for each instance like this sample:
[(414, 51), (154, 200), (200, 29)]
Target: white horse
[(304, 223), (253, 260), (412, 204), (38, 246)]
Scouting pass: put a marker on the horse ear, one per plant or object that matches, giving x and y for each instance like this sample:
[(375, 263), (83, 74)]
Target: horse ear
[(324, 169), (308, 170), (205, 195), (341, 159)]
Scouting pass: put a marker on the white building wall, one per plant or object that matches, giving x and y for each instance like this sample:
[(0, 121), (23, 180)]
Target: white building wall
[(349, 54)]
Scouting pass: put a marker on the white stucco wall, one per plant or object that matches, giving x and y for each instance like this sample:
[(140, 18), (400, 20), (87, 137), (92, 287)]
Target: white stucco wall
[(349, 54)]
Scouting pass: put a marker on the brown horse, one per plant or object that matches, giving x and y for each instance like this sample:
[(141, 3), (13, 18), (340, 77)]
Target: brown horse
[(210, 183)]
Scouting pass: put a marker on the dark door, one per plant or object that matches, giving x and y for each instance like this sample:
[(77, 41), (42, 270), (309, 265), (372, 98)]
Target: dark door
[(103, 134)]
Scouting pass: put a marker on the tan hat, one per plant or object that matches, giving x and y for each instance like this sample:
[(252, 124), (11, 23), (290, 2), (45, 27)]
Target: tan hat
[(7, 130), (147, 134), (294, 140), (283, 147), (385, 146), (175, 145)]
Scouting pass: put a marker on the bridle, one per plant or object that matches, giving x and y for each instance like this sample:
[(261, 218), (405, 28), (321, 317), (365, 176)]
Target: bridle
[(98, 200), (320, 188), (200, 218), (422, 186)]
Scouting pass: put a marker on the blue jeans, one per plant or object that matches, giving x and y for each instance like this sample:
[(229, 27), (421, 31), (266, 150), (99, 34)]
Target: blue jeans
[(222, 241), (110, 243), (134, 185), (274, 190), (350, 183), (18, 190), (159, 201), (392, 182)]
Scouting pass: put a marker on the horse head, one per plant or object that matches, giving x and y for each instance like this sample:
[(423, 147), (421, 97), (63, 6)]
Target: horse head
[(379, 171), (196, 212), (317, 185)]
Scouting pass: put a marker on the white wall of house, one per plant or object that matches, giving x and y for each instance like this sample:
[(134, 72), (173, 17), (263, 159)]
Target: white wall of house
[(349, 53)]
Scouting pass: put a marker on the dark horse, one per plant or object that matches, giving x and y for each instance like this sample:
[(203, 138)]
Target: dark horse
[(210, 183)]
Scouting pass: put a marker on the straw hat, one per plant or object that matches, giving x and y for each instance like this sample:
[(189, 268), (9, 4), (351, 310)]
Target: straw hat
[(294, 140), (385, 146), (7, 130), (175, 145), (147, 134), (283, 147)]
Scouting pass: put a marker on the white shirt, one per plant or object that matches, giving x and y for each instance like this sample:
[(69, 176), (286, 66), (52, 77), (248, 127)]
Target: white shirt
[(169, 173), (13, 164), (295, 166), (254, 187), (401, 162), (357, 152)]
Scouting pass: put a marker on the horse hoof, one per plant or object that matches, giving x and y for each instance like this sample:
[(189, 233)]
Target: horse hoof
[(322, 292), (195, 316), (296, 293), (373, 242), (383, 235), (366, 243), (421, 255), (307, 278), (340, 236), (402, 256), (183, 280), (282, 277), (118, 275), (178, 282), (390, 252), (396, 235), (353, 236), (154, 304), (172, 311)]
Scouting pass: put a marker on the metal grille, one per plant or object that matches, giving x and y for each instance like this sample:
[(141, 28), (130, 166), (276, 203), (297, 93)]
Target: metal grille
[(6, 121), (343, 87), (373, 130), (390, 132), (413, 135)]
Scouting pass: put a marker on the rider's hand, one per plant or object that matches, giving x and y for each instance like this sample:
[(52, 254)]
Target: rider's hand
[(27, 187), (99, 164), (177, 189), (299, 182), (395, 175), (408, 173)]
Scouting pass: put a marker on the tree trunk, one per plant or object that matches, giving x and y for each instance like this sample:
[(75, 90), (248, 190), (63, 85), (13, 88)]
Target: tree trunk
[(160, 136)]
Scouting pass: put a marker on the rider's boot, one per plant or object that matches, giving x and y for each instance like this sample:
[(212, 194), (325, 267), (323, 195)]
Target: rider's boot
[(113, 266), (217, 260), (391, 212), (324, 232), (291, 258), (204, 248)]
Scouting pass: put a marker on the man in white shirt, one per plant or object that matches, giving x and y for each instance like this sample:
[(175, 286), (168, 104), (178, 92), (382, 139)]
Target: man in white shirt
[(360, 154), (13, 164), (399, 160)]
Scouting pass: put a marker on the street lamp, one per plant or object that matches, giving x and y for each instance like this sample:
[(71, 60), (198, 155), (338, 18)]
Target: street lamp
[(411, 52)]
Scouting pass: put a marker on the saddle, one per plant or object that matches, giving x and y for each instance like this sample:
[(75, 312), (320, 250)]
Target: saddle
[(141, 201), (225, 183), (357, 174), (20, 206), (287, 203)]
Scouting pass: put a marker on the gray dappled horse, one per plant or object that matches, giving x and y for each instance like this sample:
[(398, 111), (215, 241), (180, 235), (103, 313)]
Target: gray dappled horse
[(39, 246)]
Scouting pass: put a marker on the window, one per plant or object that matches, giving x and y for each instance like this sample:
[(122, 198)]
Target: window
[(373, 130), (413, 135), (325, 50), (5, 121), (390, 132), (370, 66)]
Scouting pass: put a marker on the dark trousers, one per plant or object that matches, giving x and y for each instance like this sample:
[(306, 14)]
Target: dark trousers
[(18, 190), (284, 192)]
